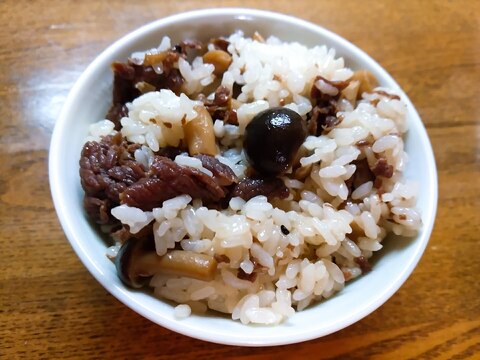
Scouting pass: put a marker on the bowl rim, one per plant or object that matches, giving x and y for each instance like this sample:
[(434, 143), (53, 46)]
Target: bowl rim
[(123, 295)]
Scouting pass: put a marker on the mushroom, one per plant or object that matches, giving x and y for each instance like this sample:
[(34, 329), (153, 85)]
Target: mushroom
[(137, 261), (199, 134), (272, 140), (367, 82), (220, 59)]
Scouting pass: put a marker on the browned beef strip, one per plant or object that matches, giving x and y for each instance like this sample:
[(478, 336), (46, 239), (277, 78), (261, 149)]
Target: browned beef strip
[(230, 117), (222, 96), (169, 152), (110, 176), (222, 173), (166, 180), (382, 168), (107, 168), (188, 44), (242, 275), (147, 193), (123, 76), (187, 180), (128, 173), (97, 209), (219, 107), (361, 175), (220, 44), (323, 116), (222, 258), (127, 75), (388, 95), (271, 188), (116, 113), (122, 234), (363, 143), (365, 266)]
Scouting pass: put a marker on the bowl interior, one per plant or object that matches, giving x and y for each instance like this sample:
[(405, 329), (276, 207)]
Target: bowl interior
[(89, 101)]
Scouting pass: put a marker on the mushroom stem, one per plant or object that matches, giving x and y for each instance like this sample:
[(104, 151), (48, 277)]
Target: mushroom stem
[(188, 264), (367, 81), (199, 134), (137, 261)]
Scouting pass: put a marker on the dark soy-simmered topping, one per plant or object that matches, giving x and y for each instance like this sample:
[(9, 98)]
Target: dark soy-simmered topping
[(270, 187), (137, 261), (272, 140)]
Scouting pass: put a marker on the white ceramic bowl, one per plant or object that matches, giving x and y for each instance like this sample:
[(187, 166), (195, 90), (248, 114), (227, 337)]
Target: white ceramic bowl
[(88, 102)]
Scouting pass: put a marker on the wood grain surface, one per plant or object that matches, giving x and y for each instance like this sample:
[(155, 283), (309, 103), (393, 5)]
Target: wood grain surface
[(52, 308)]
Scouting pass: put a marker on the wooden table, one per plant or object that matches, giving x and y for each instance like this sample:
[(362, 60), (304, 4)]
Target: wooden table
[(50, 306)]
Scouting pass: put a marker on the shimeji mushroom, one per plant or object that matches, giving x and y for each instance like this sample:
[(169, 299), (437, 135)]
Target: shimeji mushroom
[(272, 140), (137, 261)]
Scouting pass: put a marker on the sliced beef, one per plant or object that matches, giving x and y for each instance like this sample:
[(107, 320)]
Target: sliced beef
[(116, 113), (230, 117), (169, 152), (167, 179), (222, 96), (382, 168), (148, 193), (222, 173), (269, 187), (327, 89), (222, 258), (107, 168), (388, 95), (257, 268), (220, 44), (122, 233), (185, 45), (126, 77), (110, 176), (323, 116), (242, 275), (220, 107), (97, 209), (128, 173), (365, 266), (361, 143), (362, 173), (123, 89)]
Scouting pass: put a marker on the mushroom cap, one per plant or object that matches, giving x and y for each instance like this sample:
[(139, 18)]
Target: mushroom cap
[(137, 261), (133, 260)]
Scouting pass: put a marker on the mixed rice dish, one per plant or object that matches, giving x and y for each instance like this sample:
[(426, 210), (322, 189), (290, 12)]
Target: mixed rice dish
[(248, 176)]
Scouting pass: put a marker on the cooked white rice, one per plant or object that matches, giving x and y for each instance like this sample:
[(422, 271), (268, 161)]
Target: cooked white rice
[(298, 267)]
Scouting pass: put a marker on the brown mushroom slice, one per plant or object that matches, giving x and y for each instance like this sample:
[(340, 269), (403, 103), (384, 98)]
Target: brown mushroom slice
[(350, 93), (367, 80), (199, 134), (188, 264), (137, 261), (144, 87), (132, 263), (220, 59), (152, 59)]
